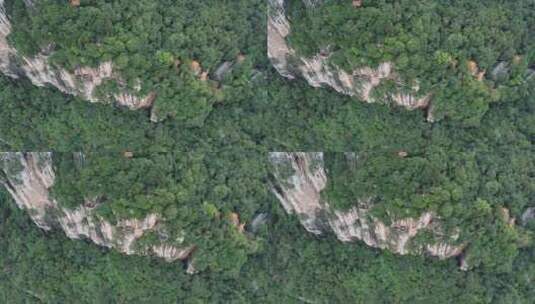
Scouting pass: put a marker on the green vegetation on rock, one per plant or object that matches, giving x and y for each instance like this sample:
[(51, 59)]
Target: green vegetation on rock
[(206, 158), (161, 45)]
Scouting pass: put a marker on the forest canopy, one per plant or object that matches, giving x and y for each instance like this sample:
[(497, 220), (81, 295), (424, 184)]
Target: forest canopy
[(206, 159)]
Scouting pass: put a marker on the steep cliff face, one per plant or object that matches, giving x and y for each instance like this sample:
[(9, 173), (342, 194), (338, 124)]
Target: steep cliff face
[(300, 178), (318, 72), (81, 82), (29, 176)]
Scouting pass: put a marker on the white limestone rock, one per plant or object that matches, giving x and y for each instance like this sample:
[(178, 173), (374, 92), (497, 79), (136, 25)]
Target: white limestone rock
[(28, 177), (81, 82), (299, 179), (318, 72)]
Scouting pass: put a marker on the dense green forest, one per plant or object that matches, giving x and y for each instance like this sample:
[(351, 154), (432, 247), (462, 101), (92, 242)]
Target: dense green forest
[(271, 115), (207, 156)]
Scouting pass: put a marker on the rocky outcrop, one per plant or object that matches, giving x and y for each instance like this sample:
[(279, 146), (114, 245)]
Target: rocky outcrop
[(28, 177), (318, 72), (298, 181), (82, 82)]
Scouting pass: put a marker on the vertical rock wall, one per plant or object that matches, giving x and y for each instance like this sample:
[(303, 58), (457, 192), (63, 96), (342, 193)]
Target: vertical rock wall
[(318, 72), (81, 82), (28, 177), (299, 178)]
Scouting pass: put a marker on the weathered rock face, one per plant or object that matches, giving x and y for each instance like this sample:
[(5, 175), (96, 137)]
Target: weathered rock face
[(299, 179), (318, 72), (28, 178), (81, 82), (528, 215)]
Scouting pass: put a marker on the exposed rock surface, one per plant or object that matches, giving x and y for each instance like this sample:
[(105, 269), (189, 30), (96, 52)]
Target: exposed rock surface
[(81, 82), (29, 176), (318, 72), (299, 179), (528, 215)]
